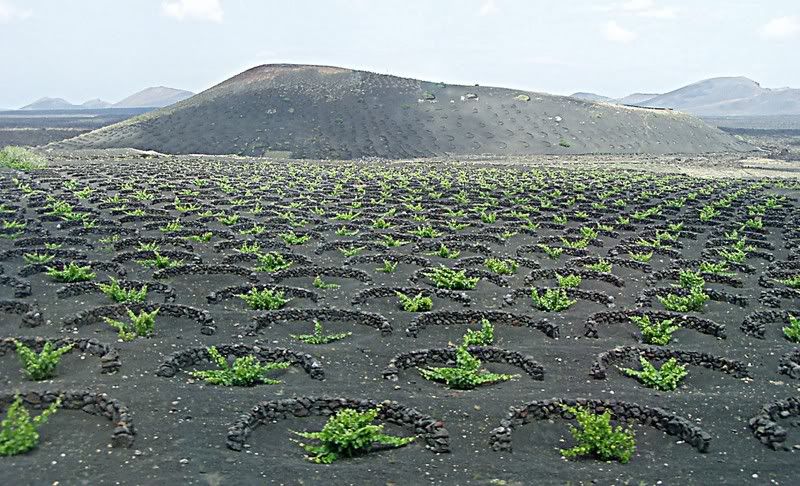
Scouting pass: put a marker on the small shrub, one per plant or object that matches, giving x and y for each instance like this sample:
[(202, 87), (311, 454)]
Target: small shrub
[(265, 299), (160, 262), (40, 366), (388, 267), (319, 336), (245, 371), (348, 433), (597, 437), (426, 232), (553, 300), (418, 303), (118, 294), (659, 333), (665, 378), (33, 258), (19, 158), (446, 278), (141, 325), (792, 282), (551, 251), (568, 281), (320, 284), (290, 238), (691, 280), (483, 337), (643, 257), (792, 331), (272, 262), (71, 272), (693, 302), (445, 252), (466, 375), (18, 431), (719, 268), (601, 266), (501, 267)]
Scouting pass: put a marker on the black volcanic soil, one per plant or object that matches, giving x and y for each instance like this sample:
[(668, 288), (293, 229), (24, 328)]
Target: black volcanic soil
[(181, 424), (327, 112)]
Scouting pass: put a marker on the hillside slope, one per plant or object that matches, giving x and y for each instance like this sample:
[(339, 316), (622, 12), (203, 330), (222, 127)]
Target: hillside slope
[(328, 112)]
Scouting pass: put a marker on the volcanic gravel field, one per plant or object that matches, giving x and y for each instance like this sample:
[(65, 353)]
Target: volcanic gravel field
[(132, 414)]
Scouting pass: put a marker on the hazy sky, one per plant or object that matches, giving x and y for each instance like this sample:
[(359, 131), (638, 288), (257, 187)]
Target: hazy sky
[(81, 49)]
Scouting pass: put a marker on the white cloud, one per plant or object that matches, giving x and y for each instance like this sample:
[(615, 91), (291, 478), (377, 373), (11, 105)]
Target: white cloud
[(616, 33), (11, 13), (781, 28), (641, 8), (488, 7), (210, 10)]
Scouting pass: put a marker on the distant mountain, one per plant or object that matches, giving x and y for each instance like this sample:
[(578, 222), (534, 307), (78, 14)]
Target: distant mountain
[(95, 104), (732, 96), (155, 97), (49, 104), (636, 98), (590, 97)]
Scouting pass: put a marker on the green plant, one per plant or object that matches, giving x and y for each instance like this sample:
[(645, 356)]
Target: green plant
[(482, 337), (228, 219), (319, 336), (447, 278), (600, 266), (665, 378), (348, 433), (418, 303), (265, 299), (466, 375), (690, 280), (693, 302), (568, 281), (119, 294), (445, 252), (552, 251), (18, 431), (245, 371), (426, 232), (272, 262), (33, 258), (348, 252), (290, 238), (553, 300), (642, 257), (564, 143), (658, 333), (160, 261), (171, 227), (597, 437), (792, 331), (501, 267), (19, 158), (246, 248), (71, 272), (40, 366), (201, 238), (719, 268), (392, 242), (320, 284), (141, 325), (792, 282), (388, 267)]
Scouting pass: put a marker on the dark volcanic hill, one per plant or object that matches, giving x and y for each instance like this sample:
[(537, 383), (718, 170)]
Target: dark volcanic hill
[(328, 112)]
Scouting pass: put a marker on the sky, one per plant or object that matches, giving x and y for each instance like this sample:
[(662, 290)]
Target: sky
[(109, 49)]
